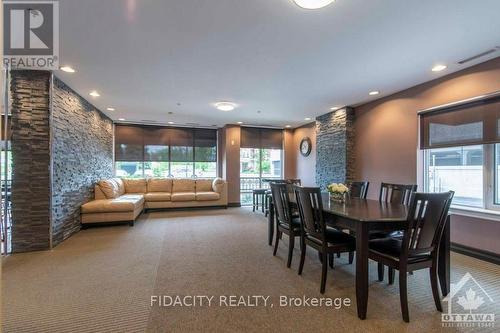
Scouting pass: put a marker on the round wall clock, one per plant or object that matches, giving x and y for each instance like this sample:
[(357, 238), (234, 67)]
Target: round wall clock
[(305, 146)]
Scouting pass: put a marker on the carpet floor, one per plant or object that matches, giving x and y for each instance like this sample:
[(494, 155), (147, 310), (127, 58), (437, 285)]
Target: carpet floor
[(110, 279)]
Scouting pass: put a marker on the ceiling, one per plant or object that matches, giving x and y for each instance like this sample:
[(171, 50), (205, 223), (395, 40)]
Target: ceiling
[(278, 62)]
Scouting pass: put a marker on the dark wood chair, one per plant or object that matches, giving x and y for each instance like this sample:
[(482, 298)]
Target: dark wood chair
[(392, 193), (315, 233), (359, 189), (286, 222), (257, 194), (290, 182), (418, 248)]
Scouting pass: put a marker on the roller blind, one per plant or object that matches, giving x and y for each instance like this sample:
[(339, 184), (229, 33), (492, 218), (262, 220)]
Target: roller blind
[(156, 144), (252, 137), (469, 123), (205, 145), (181, 145), (129, 143)]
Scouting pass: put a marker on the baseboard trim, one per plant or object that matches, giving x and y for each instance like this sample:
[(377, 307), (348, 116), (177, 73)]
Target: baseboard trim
[(476, 253), (234, 204)]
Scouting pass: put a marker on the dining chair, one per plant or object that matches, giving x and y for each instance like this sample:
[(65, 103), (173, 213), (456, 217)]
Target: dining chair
[(358, 189), (418, 248), (286, 222), (290, 182), (314, 232), (392, 193)]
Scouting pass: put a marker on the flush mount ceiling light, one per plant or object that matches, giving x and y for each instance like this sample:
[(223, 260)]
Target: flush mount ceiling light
[(312, 4), (94, 93), (239, 122), (373, 93), (67, 69), (121, 119), (110, 109), (288, 126), (439, 68), (307, 119), (170, 123), (225, 106)]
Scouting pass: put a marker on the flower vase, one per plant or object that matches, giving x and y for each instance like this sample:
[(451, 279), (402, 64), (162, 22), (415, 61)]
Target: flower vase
[(337, 197)]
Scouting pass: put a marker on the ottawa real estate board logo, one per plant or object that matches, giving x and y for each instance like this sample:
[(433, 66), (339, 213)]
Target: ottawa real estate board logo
[(465, 303), (31, 34)]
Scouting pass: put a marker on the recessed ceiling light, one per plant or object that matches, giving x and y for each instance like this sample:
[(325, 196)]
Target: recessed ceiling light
[(67, 69), (240, 122), (439, 68), (335, 108), (94, 93), (288, 126), (313, 4), (373, 93), (307, 118), (110, 109), (121, 119), (170, 123), (225, 106)]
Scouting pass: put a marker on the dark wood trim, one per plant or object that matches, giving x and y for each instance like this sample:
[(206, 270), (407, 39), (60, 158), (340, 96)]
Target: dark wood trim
[(234, 204), (491, 257)]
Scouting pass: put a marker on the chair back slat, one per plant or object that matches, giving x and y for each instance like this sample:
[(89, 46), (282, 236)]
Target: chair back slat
[(311, 211), (426, 221), (281, 200), (359, 189), (393, 193)]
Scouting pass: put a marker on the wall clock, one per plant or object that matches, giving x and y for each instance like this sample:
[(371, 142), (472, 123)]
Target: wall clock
[(305, 146)]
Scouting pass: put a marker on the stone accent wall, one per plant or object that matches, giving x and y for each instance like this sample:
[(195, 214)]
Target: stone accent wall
[(31, 161), (82, 154), (335, 147)]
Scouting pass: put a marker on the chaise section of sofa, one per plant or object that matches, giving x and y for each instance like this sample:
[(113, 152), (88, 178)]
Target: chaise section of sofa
[(123, 200)]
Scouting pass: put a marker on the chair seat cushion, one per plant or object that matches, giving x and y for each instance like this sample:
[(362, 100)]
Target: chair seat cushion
[(392, 246), (125, 203), (336, 236), (385, 234), (183, 196), (207, 196), (158, 196), (295, 223)]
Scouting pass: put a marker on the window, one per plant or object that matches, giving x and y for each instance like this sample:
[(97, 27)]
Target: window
[(260, 159), (151, 151), (459, 169), (461, 143)]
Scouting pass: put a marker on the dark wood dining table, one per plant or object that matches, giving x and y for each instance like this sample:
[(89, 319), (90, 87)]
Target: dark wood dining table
[(363, 216)]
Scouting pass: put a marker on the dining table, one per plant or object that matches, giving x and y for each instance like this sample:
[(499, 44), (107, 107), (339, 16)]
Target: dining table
[(361, 217)]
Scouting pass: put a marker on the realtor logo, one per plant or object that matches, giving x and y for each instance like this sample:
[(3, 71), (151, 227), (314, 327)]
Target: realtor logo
[(31, 34), (464, 302)]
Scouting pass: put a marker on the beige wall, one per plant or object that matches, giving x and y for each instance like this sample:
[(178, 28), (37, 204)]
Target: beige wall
[(290, 169), (386, 140), (305, 167), (230, 151)]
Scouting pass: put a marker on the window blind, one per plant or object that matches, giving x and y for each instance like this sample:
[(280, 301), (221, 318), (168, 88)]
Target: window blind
[(129, 143), (265, 138), (469, 123)]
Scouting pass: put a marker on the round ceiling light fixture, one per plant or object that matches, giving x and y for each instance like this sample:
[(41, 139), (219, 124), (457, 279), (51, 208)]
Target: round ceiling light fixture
[(312, 4), (225, 106)]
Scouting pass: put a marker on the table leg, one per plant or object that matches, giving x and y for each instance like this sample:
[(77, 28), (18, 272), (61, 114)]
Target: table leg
[(271, 222), (361, 269), (444, 259)]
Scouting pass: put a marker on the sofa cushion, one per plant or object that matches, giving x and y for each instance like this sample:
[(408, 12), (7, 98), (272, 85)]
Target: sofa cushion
[(125, 203), (157, 196), (110, 188), (159, 185), (207, 196), (183, 196), (121, 186), (135, 185), (204, 185), (183, 185), (218, 185)]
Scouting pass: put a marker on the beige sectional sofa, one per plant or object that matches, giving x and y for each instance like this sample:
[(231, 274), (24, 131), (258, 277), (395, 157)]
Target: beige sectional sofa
[(123, 200)]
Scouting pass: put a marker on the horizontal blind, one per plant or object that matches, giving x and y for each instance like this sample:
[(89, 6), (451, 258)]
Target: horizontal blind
[(129, 143), (470, 123), (253, 137)]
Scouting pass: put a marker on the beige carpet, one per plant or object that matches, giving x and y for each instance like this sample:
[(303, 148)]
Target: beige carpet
[(102, 280)]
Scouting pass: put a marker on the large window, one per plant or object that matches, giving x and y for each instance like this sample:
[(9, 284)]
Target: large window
[(150, 151), (260, 160), (461, 145)]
